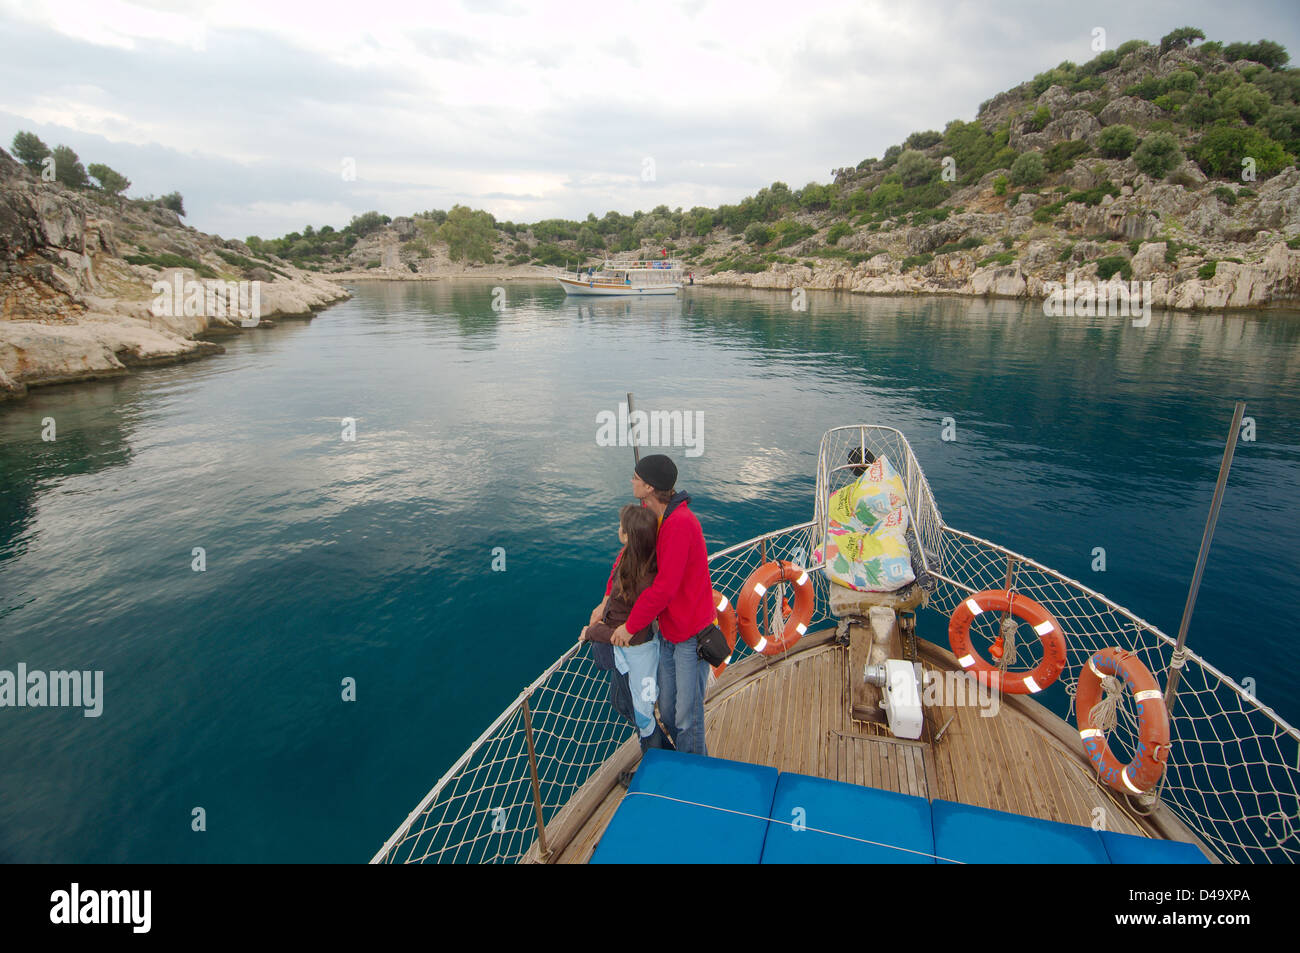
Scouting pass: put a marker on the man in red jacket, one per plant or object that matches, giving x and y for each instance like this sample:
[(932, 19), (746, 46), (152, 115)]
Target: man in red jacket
[(681, 600)]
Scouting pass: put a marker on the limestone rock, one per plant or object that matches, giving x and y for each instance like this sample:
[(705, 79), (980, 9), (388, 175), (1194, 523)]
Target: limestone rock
[(1056, 98), (71, 307), (1129, 110), (1149, 260), (1075, 124), (999, 281)]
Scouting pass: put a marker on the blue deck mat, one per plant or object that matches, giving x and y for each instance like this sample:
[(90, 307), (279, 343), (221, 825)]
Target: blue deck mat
[(1131, 849), (860, 813), (689, 809), (649, 828), (978, 835)]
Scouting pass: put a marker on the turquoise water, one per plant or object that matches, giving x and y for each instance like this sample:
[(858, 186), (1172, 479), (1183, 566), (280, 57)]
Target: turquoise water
[(371, 559)]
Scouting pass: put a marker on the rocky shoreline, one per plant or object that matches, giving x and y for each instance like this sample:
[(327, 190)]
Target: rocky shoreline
[(77, 278)]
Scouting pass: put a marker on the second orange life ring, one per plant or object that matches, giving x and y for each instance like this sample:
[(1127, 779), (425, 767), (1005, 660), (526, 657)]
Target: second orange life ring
[(1025, 609), (762, 579)]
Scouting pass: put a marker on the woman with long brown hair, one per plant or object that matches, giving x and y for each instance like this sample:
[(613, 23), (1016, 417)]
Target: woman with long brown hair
[(638, 661)]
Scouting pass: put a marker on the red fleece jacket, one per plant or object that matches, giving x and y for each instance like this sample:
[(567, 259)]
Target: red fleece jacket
[(681, 597)]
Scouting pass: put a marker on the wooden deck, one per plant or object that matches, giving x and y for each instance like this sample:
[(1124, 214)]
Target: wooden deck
[(793, 714)]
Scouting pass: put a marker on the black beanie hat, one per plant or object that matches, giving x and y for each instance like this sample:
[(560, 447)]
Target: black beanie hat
[(658, 471)]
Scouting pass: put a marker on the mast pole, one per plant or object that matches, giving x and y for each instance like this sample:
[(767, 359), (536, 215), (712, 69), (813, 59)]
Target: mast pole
[(1179, 657), (636, 451)]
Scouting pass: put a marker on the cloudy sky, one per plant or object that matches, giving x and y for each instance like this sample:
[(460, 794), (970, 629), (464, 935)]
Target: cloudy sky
[(258, 111)]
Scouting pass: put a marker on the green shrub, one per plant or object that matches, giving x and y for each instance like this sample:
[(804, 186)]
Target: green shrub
[(885, 195), (1222, 149), (1273, 55), (1028, 169), (1173, 248), (929, 215), (1041, 117), (1225, 194), (1108, 266), (547, 253), (1180, 38), (1001, 258), (788, 231), (915, 169), (1000, 185), (758, 234), (1062, 154), (1134, 245), (1207, 270), (1293, 242), (914, 261), (814, 196), (239, 261), (1117, 142), (1243, 101), (169, 260), (838, 231), (1090, 197), (1100, 63), (923, 140), (966, 243), (1158, 154), (1066, 253)]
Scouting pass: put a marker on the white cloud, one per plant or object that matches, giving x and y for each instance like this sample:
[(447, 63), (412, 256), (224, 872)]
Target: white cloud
[(528, 110)]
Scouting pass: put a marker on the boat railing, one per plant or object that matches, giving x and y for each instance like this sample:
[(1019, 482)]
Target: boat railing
[(494, 804), (1233, 770), (1233, 774)]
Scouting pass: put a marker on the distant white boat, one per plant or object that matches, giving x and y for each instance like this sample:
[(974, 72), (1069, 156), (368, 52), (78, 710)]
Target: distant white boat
[(626, 279)]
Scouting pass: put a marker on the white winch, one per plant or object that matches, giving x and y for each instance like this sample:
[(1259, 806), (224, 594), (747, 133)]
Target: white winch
[(901, 696)]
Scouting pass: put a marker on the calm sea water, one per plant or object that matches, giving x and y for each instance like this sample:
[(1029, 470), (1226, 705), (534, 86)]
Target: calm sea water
[(329, 559)]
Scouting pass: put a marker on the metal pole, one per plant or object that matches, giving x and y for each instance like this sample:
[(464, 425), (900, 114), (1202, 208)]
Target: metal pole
[(1176, 663), (537, 790), (636, 451)]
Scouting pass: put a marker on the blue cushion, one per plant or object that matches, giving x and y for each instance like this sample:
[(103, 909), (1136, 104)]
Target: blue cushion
[(1131, 849), (649, 829), (978, 835), (868, 814)]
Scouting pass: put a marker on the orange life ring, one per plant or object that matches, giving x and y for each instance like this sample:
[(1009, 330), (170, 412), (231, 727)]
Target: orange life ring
[(726, 616), (762, 579), (1142, 773), (1024, 608)]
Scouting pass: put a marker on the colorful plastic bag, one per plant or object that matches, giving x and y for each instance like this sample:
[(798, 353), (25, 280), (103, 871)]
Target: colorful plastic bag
[(866, 539)]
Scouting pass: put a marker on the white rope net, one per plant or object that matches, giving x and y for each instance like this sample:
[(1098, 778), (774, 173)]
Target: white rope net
[(1234, 769)]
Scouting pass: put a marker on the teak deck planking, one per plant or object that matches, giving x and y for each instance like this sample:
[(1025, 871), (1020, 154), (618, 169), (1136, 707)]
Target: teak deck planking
[(792, 713)]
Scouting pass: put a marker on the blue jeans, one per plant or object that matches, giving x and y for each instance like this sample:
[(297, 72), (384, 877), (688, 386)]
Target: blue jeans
[(683, 676), (640, 663)]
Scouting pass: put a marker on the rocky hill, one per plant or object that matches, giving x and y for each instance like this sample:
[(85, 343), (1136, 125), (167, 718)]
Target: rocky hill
[(77, 270), (1173, 164)]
